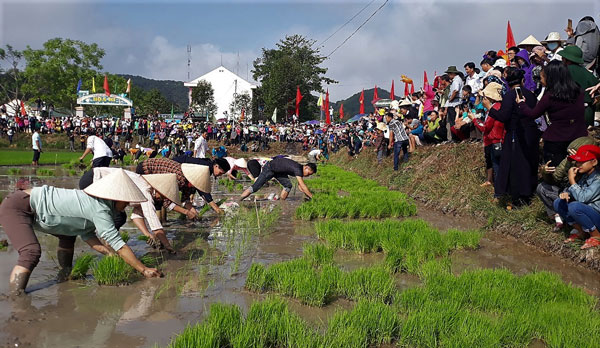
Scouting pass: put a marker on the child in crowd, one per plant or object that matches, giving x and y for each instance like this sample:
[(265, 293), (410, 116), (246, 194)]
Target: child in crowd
[(579, 204)]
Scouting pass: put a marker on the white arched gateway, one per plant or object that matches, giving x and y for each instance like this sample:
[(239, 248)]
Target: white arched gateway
[(103, 99)]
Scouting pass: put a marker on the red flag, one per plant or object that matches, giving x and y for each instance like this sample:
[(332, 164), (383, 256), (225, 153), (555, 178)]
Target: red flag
[(425, 80), (412, 88), (243, 115), (392, 91), (405, 89), (327, 116), (375, 96), (361, 100), (510, 39), (298, 99), (106, 89), (342, 111), (23, 111)]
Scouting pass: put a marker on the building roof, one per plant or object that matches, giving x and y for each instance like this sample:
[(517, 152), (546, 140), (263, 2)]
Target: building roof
[(219, 74)]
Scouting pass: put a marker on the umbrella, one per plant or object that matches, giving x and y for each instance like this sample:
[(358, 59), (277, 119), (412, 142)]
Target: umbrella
[(355, 118), (253, 129), (312, 122), (319, 131)]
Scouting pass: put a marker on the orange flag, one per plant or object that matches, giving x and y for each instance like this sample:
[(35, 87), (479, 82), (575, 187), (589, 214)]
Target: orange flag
[(23, 111)]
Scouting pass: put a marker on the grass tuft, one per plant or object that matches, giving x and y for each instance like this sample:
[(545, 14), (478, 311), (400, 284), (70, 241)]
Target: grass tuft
[(81, 266), (112, 270)]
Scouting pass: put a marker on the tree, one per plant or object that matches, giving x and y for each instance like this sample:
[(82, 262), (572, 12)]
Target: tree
[(203, 100), (241, 101), (293, 63), (10, 77), (52, 72)]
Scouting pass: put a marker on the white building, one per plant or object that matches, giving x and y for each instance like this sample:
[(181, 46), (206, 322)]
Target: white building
[(225, 85)]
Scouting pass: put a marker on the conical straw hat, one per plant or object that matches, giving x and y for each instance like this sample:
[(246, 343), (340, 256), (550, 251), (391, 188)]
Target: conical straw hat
[(530, 40), (240, 162), (117, 186), (198, 175), (165, 184)]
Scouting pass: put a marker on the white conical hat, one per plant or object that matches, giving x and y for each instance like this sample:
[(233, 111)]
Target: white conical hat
[(529, 41), (553, 37), (198, 175), (405, 102), (165, 184), (117, 186), (240, 162)]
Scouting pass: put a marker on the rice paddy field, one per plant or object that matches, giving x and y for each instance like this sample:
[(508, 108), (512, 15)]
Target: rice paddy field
[(357, 266)]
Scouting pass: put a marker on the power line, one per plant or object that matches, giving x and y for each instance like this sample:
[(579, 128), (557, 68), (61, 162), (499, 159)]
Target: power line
[(357, 29), (343, 25)]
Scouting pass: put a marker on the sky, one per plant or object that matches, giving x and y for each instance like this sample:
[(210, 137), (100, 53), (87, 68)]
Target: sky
[(150, 38)]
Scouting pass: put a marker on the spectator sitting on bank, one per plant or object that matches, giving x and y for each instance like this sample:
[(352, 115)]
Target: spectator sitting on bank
[(579, 204)]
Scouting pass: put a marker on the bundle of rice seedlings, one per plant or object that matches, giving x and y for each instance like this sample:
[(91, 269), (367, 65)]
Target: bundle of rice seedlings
[(125, 236), (81, 266), (112, 270)]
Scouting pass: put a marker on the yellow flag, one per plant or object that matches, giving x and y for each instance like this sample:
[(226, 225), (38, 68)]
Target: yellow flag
[(93, 85)]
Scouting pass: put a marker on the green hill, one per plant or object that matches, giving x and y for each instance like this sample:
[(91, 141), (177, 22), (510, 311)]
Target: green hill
[(174, 91), (352, 105)]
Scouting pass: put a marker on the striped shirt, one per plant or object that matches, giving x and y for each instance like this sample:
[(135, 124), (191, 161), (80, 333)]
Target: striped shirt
[(399, 132)]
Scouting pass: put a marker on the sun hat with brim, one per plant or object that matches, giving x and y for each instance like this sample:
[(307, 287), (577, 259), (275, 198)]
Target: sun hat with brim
[(529, 41), (241, 163), (165, 184), (452, 70), (493, 91), (405, 102), (586, 153), (117, 186), (198, 175), (500, 63), (381, 126), (553, 37), (572, 53)]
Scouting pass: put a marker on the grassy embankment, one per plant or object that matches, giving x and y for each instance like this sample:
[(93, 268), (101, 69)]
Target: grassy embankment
[(447, 178), (479, 308)]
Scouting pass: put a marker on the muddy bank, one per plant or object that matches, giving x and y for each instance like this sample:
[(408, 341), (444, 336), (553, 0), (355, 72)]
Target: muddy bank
[(446, 179)]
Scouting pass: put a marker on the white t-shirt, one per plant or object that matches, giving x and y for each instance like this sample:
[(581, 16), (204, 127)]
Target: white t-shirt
[(35, 138), (98, 147), (200, 146)]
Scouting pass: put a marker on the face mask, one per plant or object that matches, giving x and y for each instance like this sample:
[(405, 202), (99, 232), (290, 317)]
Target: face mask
[(552, 46)]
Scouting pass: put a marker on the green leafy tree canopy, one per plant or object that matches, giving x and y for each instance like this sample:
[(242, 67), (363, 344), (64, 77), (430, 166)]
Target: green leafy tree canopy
[(203, 100), (294, 62)]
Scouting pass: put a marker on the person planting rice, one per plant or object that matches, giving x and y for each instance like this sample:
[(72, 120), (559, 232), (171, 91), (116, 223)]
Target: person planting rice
[(102, 152), (53, 210), (238, 164), (579, 204), (281, 168), (191, 178), (155, 187)]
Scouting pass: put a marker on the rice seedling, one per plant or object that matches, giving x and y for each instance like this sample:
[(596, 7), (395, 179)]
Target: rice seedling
[(125, 236), (227, 183), (112, 270), (81, 266), (407, 244), (14, 171), (491, 308), (318, 254), (3, 244), (143, 237), (239, 187), (72, 172), (149, 260), (371, 283), (44, 172)]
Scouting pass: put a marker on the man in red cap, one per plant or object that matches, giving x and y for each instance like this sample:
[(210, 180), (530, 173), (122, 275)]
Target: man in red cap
[(579, 204)]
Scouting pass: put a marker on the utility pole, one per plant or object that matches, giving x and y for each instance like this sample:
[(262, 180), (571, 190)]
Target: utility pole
[(189, 56)]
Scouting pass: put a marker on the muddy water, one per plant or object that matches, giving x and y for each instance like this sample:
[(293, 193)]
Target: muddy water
[(210, 267)]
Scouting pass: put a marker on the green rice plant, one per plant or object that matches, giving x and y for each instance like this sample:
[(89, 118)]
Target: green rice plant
[(3, 244), (112, 270), (14, 171), (44, 172), (239, 187), (407, 244), (143, 237), (81, 266), (149, 261), (369, 324), (317, 254), (72, 172), (125, 236), (491, 308), (372, 283)]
